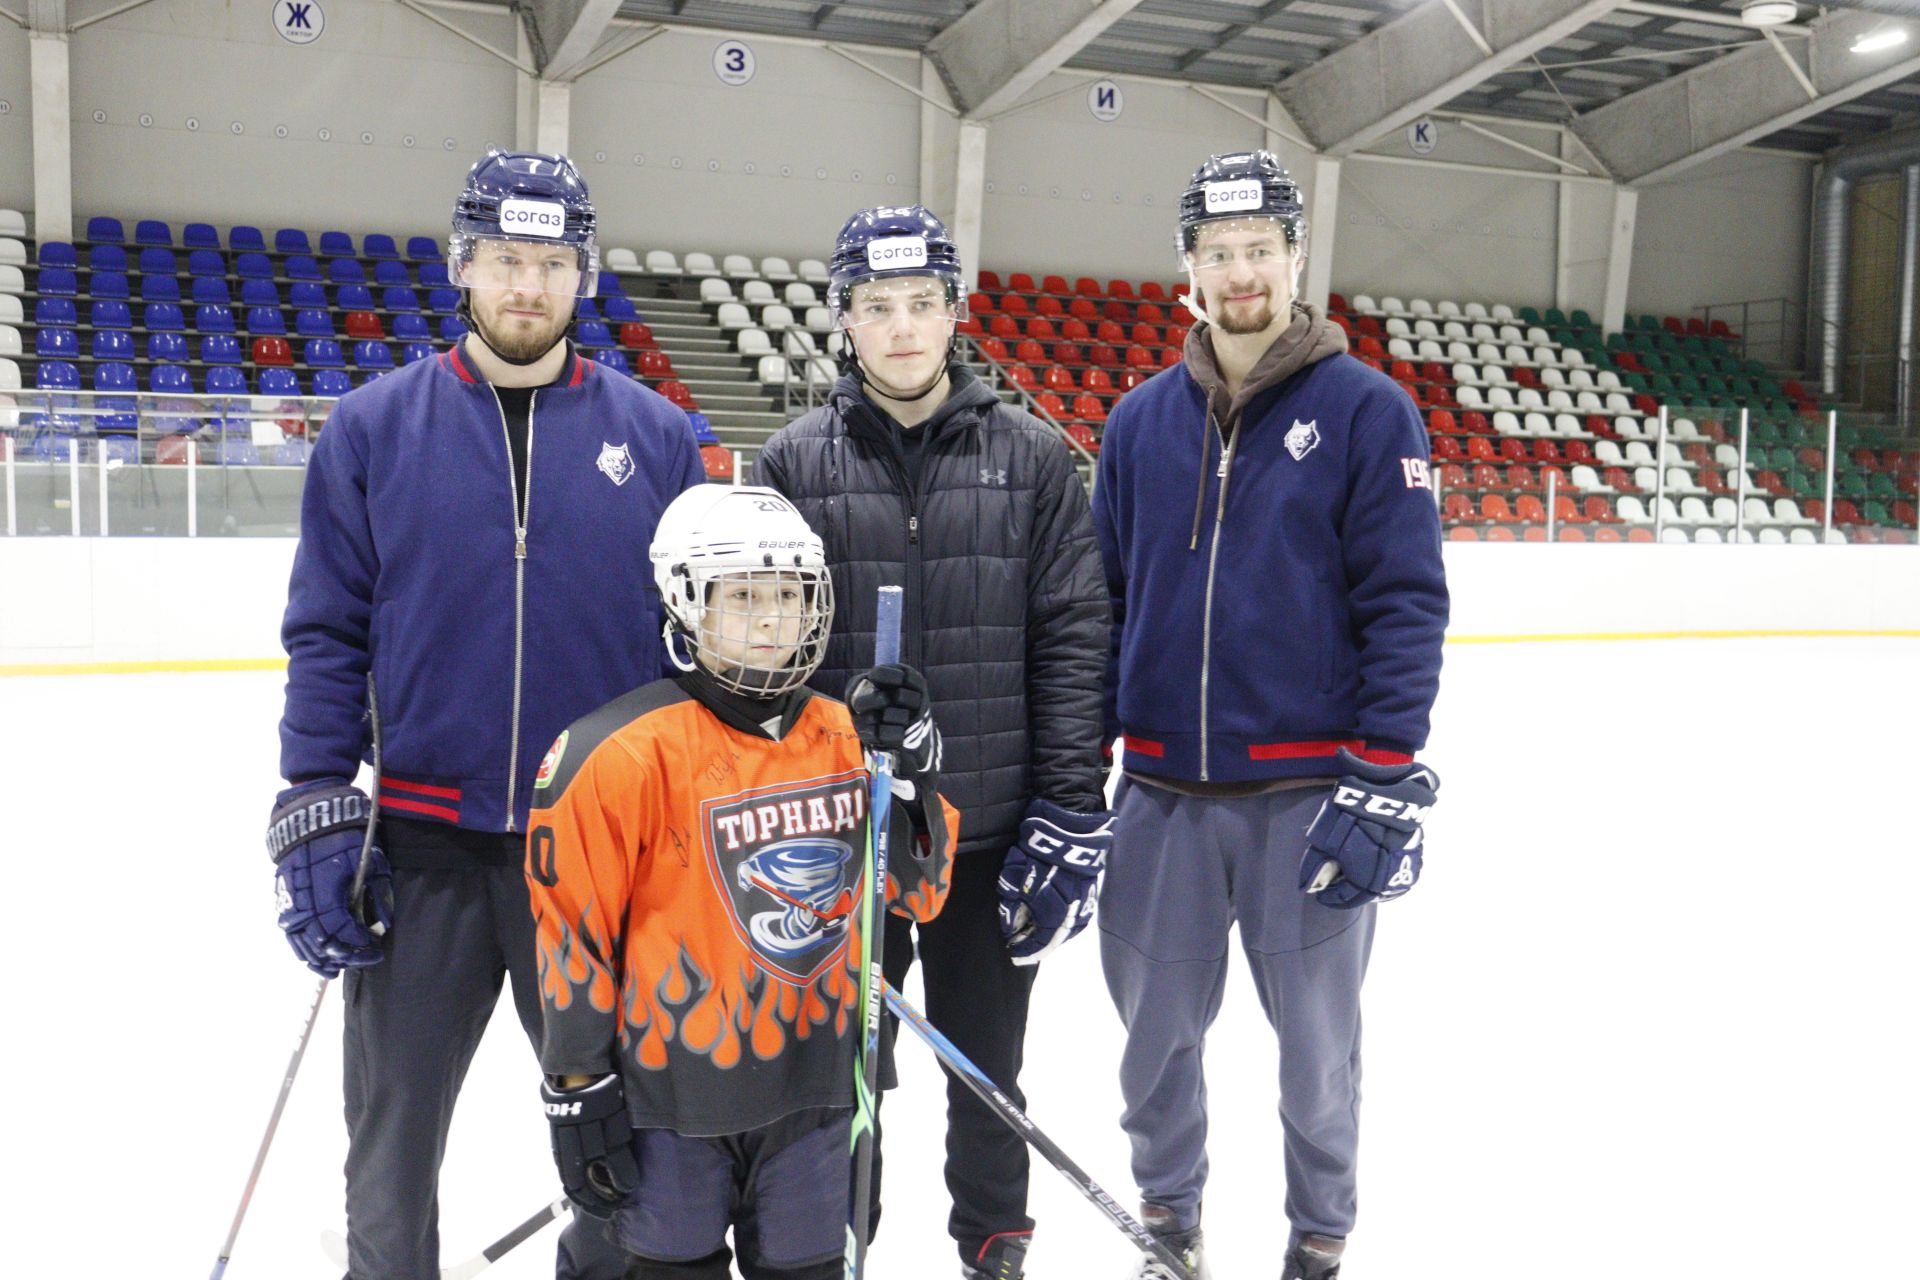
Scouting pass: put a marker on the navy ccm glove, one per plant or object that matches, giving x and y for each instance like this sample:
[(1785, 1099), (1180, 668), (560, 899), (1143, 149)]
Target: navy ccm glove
[(315, 838), (1050, 882), (1367, 842), (592, 1144)]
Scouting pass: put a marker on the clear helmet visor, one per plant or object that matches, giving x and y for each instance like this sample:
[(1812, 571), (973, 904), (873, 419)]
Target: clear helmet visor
[(930, 302), (499, 265), (760, 632), (1256, 250)]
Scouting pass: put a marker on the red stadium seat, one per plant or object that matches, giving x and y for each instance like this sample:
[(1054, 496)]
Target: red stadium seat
[(1487, 476), (1089, 409), (1049, 306), (1473, 422), (1457, 506), (1021, 282), (991, 280), (1500, 533), (1083, 435), (718, 461), (677, 392), (1447, 449), (1639, 533), (1050, 404), (1021, 376), (1027, 351), (1571, 535), (364, 324), (1493, 506), (1462, 533), (1528, 508), (1521, 479), (637, 336), (1145, 335), (1514, 449), (654, 364), (1068, 353), (1104, 356), (1153, 291), (979, 304), (1110, 331), (1075, 329), (1096, 380), (1452, 476), (1087, 287), (1534, 533), (1480, 449), (1169, 357), (1140, 358), (1083, 309), (1056, 285), (272, 351), (995, 349), (1058, 379), (1014, 305), (1606, 534), (1119, 289), (1131, 378), (1116, 311), (1005, 327), (1041, 330), (1337, 303), (1148, 313), (1441, 423)]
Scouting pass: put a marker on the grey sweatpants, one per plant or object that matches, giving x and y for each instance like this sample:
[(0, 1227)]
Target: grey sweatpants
[(1182, 871), (413, 1023)]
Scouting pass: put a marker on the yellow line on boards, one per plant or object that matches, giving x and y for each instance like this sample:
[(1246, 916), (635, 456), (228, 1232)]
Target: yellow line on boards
[(169, 666), (192, 666)]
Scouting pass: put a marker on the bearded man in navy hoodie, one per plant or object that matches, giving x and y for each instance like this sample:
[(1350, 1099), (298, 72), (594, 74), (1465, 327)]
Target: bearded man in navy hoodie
[(474, 532), (1272, 551)]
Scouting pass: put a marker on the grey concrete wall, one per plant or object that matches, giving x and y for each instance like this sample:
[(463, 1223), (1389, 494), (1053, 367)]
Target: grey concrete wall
[(1733, 229), (16, 121)]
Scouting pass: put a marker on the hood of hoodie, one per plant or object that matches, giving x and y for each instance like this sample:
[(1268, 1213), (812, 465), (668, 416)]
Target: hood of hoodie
[(967, 396), (1309, 338)]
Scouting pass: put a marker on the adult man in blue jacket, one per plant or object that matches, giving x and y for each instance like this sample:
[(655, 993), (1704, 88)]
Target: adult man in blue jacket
[(1273, 555), (474, 534)]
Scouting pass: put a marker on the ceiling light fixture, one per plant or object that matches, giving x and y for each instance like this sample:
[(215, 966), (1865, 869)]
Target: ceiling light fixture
[(1887, 37), (1768, 13)]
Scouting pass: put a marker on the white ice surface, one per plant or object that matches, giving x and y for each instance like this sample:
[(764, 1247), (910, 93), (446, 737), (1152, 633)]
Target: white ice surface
[(1650, 1012)]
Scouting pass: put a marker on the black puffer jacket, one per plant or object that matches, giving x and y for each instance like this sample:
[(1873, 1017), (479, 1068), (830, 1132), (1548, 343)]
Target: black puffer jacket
[(1006, 604)]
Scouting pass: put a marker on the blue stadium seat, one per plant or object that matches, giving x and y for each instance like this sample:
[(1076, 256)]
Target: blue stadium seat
[(452, 328), (112, 344), (170, 348), (291, 240), (346, 271), (307, 293), (613, 358), (607, 285), (331, 382), (324, 353), (702, 429), (443, 301), (259, 293), (368, 354), (619, 310), (423, 249), (311, 322), (158, 262), (220, 348), (378, 246), (244, 239), (411, 326), (149, 231), (109, 284), (106, 257), (159, 289), (226, 381), (113, 376), (209, 289), (399, 298), (57, 375), (413, 351), (206, 262), (277, 382), (213, 318), (585, 310), (58, 311), (336, 244), (110, 313), (56, 344), (591, 334), (237, 450), (354, 297), (58, 280), (291, 452), (118, 412), (301, 267), (58, 253), (164, 317), (253, 266), (200, 235), (169, 379), (106, 229), (391, 272), (265, 321), (433, 275)]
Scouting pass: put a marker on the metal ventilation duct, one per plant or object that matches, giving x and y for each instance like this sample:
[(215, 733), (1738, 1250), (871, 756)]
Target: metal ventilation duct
[(1832, 208)]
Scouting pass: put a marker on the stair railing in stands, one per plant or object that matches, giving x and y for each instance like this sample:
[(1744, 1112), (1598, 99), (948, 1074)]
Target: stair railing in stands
[(997, 379)]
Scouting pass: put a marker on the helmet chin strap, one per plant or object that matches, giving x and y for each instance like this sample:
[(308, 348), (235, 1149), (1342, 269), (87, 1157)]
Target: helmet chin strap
[(467, 318), (853, 360)]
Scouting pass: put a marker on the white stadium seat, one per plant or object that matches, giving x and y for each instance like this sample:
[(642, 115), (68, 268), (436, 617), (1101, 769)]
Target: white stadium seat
[(622, 260), (1393, 306), (714, 289), (1537, 425), (1787, 511), (757, 293), (662, 263), (819, 319), (812, 270), (1501, 311), (10, 310), (1425, 329), (1802, 538), (1607, 454), (778, 270), (1364, 305), (1587, 480), (1475, 311), (1420, 307), (1396, 327), (9, 375), (1608, 381), (753, 342), (739, 266), (1671, 534), (1446, 308), (1507, 424), (1771, 537), (1630, 509), (1501, 398), (773, 371), (9, 341), (11, 281), (1529, 398), (1568, 427), (13, 223), (799, 294), (701, 264), (12, 250), (1707, 535), (776, 316), (798, 342), (1725, 512), (732, 315)]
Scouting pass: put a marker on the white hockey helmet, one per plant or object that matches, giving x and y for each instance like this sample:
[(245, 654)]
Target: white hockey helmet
[(765, 642)]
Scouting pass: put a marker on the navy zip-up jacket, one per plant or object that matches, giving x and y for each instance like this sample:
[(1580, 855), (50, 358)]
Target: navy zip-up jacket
[(484, 644), (1309, 616)]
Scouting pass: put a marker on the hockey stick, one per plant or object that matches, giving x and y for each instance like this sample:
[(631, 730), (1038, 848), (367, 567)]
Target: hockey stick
[(975, 1079), (873, 915), (313, 1006), (335, 1245)]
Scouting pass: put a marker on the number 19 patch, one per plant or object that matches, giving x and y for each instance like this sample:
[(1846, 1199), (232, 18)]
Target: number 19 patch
[(1415, 472)]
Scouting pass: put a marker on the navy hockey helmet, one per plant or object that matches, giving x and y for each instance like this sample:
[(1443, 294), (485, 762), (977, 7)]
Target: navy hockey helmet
[(525, 196), (1241, 184), (893, 241)]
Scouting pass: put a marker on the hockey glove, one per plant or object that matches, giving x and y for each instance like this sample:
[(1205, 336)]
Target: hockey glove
[(315, 838), (592, 1144), (1050, 881), (1366, 843), (893, 711)]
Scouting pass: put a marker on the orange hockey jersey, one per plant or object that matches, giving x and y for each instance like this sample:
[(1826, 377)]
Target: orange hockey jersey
[(695, 884)]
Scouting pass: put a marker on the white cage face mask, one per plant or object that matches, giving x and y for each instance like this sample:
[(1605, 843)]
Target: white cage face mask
[(758, 633), (487, 265)]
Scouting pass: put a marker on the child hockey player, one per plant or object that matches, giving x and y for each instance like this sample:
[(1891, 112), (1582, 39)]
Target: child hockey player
[(695, 858)]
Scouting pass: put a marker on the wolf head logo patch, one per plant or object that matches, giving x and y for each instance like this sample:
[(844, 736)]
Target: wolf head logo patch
[(1301, 438), (616, 462)]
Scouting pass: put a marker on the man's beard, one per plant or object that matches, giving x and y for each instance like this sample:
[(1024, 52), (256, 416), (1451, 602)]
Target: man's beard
[(1256, 322), (525, 344)]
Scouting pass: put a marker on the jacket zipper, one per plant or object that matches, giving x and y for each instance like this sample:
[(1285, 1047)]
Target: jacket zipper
[(520, 506), (1206, 613)]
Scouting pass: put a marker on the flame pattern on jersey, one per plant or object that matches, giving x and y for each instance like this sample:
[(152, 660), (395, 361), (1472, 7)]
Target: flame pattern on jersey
[(694, 889)]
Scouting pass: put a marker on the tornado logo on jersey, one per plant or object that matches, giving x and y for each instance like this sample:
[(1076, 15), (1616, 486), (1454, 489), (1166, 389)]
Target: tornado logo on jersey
[(782, 863), (805, 884)]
